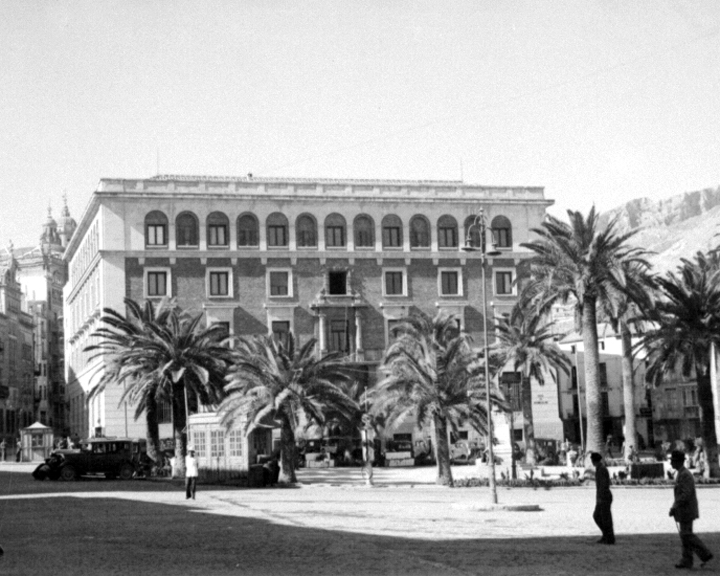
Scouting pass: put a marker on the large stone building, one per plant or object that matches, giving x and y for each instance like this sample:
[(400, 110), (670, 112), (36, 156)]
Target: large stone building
[(17, 388), (339, 260), (32, 283)]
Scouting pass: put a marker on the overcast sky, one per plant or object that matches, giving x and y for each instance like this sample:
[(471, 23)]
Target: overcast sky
[(599, 101)]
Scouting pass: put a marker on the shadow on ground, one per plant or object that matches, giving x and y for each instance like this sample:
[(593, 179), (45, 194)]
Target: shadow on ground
[(108, 536)]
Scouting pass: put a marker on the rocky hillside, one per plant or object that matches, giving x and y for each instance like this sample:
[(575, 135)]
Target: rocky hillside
[(672, 228)]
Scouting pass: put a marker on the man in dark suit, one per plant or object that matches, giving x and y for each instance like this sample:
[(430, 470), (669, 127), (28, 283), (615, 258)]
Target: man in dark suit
[(603, 500), (685, 511)]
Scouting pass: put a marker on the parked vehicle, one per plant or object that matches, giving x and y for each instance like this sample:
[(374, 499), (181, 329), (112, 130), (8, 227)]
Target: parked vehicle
[(113, 457)]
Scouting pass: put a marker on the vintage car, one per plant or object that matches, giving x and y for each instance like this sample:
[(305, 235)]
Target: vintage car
[(113, 457)]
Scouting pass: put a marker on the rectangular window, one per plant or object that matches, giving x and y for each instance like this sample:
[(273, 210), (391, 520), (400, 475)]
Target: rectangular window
[(394, 285), (447, 238), (335, 236), (219, 283), (279, 283), (603, 375), (449, 284), (338, 336), (277, 235), (573, 377), (200, 441), (605, 403), (247, 237), (218, 235), (164, 412), (337, 283), (235, 445), (157, 284), (156, 235), (503, 283), (502, 237), (217, 444), (392, 236), (281, 331)]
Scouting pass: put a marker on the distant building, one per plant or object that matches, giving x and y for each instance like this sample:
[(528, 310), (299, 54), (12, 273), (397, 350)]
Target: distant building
[(16, 356), (41, 274), (666, 413), (339, 260)]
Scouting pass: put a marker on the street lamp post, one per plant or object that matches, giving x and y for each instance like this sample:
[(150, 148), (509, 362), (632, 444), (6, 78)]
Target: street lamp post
[(484, 253)]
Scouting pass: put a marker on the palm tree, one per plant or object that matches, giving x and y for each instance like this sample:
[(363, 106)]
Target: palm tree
[(119, 336), (581, 262), (172, 358), (625, 310), (433, 376), (686, 323), (527, 344), (272, 383)]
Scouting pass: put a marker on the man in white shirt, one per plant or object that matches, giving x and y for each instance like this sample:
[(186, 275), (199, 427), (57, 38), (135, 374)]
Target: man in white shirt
[(191, 473)]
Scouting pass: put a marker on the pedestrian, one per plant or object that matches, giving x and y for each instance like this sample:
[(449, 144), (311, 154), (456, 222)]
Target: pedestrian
[(3, 449), (18, 451), (572, 456), (609, 445), (191, 473), (685, 510), (603, 500)]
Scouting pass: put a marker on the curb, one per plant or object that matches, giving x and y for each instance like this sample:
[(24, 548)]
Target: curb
[(498, 507)]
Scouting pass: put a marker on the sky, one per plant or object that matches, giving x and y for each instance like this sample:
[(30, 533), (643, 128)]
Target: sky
[(598, 101)]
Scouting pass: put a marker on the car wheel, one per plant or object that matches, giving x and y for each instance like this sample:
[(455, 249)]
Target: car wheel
[(126, 472), (68, 473)]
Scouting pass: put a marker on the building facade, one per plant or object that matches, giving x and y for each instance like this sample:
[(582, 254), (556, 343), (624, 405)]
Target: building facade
[(667, 412), (17, 370), (338, 260)]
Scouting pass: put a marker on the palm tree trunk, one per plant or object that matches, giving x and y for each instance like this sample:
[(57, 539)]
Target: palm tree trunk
[(152, 431), (287, 453), (628, 390), (707, 419), (442, 452), (179, 422), (593, 398), (528, 423)]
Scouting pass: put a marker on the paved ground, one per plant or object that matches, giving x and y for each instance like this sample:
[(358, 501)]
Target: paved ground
[(332, 525)]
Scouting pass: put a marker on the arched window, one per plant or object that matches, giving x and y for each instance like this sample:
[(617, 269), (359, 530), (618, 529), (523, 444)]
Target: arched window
[(502, 232), (156, 228), (335, 231), (364, 229), (277, 230), (306, 231), (248, 231), (218, 228), (186, 230), (392, 232), (447, 232), (419, 232)]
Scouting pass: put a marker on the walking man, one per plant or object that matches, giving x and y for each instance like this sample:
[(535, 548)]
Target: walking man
[(685, 510), (191, 473), (603, 500)]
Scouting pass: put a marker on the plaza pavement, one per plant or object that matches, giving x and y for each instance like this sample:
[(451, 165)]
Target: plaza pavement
[(333, 525)]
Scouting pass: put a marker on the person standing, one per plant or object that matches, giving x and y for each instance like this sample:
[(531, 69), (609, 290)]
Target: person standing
[(191, 473), (603, 500), (18, 452), (685, 510), (3, 450)]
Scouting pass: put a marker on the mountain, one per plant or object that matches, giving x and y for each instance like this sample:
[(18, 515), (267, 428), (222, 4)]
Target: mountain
[(672, 228)]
